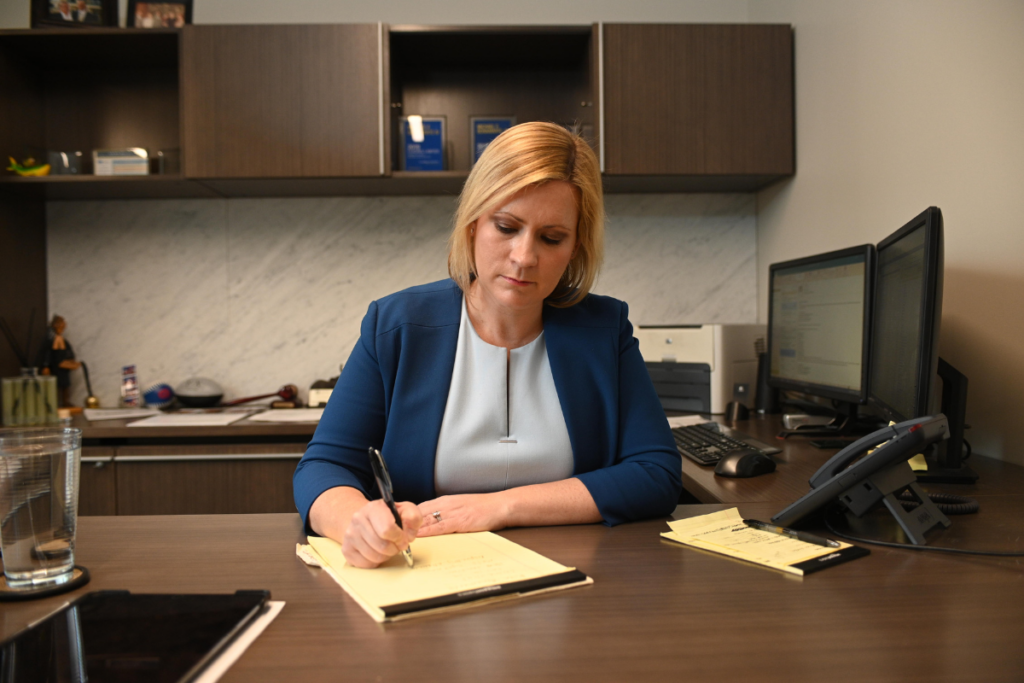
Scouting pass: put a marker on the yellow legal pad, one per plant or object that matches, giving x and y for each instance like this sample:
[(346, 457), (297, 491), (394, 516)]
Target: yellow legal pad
[(725, 533), (451, 572)]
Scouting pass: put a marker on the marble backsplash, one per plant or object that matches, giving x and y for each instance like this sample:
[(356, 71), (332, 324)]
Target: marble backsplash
[(257, 293)]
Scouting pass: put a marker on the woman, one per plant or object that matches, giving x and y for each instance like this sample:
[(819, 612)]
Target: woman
[(506, 396)]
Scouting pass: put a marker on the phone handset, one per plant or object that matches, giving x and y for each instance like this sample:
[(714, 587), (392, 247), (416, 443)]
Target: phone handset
[(902, 438)]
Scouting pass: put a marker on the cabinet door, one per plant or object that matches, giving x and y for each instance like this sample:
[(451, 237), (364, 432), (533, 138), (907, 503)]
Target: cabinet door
[(683, 99), (281, 101), (202, 480), (97, 485)]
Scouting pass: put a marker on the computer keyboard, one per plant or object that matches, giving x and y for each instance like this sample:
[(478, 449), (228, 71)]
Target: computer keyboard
[(706, 445)]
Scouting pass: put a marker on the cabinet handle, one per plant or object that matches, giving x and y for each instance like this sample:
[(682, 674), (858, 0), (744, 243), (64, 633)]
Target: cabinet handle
[(600, 94), (380, 93), (208, 457), (97, 458)]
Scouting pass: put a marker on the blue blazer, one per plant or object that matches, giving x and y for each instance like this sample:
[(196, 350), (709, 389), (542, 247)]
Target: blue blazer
[(394, 388)]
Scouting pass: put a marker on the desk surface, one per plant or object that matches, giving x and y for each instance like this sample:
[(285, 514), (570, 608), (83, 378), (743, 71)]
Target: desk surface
[(799, 460), (657, 611)]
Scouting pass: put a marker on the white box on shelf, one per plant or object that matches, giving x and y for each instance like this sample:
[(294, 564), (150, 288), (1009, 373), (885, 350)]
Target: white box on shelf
[(130, 161)]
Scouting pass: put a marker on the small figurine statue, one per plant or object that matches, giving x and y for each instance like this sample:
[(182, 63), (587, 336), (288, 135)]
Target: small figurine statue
[(58, 358)]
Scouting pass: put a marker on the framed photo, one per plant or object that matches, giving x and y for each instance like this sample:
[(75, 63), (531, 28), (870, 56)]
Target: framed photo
[(170, 14), (74, 13)]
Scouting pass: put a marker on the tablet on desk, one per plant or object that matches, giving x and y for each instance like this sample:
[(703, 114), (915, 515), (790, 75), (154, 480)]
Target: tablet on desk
[(118, 636)]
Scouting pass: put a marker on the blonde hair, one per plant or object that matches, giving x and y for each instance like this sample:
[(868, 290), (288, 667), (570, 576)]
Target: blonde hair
[(528, 155)]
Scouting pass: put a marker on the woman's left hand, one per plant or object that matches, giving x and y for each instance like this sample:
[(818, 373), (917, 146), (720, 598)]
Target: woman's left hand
[(462, 514)]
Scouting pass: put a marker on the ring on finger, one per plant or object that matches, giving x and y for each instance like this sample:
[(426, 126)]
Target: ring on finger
[(437, 516)]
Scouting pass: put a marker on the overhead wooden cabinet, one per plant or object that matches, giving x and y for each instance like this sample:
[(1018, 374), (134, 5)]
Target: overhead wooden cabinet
[(712, 100), (282, 101)]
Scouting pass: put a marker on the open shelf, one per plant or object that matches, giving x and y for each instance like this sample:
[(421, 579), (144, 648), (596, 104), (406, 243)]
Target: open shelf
[(535, 73), (79, 90)]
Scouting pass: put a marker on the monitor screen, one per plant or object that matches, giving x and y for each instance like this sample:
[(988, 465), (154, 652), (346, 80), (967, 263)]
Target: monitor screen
[(818, 321), (907, 311)]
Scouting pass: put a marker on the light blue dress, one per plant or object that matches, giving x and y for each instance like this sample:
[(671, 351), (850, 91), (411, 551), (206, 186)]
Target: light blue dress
[(503, 425)]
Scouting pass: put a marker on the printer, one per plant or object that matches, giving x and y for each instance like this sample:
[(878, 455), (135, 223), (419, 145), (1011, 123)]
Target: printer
[(701, 368)]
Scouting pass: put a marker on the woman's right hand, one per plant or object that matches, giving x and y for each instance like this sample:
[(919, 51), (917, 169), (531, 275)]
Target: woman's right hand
[(372, 537)]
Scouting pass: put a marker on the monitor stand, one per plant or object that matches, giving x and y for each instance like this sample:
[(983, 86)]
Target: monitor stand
[(845, 424), (945, 462)]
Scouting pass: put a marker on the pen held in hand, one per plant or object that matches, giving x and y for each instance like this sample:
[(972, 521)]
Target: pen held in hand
[(791, 533), (380, 473)]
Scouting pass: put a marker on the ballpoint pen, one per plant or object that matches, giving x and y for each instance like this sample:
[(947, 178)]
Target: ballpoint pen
[(791, 533), (380, 473)]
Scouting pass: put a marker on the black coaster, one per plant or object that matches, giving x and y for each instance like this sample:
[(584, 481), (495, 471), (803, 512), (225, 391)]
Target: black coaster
[(79, 577)]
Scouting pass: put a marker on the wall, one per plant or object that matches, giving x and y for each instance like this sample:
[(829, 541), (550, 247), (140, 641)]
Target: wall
[(902, 105), (257, 293)]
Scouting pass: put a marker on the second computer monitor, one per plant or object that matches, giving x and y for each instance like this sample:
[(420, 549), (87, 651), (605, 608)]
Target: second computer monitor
[(907, 313), (819, 312)]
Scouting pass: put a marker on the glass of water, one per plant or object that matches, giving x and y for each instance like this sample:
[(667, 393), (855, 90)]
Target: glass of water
[(39, 471)]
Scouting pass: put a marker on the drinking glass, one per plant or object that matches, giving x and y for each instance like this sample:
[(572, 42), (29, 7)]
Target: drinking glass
[(39, 470)]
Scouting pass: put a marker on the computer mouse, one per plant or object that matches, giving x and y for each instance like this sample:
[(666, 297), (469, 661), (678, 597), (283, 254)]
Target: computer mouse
[(744, 463)]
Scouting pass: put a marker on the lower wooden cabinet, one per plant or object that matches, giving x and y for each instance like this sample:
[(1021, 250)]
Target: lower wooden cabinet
[(188, 479), (97, 487)]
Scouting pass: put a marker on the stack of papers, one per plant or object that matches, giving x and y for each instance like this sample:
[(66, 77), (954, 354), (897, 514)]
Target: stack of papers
[(724, 532), (289, 415), (190, 420), (96, 414)]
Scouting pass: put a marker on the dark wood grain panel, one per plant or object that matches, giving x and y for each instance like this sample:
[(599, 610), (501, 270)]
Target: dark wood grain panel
[(22, 275), (97, 491), (340, 104), (21, 107), (748, 99), (280, 101), (159, 485), (241, 101), (656, 610), (713, 100), (108, 109), (654, 99)]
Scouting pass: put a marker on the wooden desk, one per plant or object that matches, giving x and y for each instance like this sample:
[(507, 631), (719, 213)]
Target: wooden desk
[(657, 611)]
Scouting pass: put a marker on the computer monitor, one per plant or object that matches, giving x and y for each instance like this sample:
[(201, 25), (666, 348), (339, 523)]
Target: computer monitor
[(905, 362), (907, 313), (819, 315)]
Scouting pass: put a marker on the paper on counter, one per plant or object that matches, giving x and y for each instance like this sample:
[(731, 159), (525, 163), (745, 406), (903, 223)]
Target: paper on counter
[(240, 644), (190, 420), (96, 414), (686, 420), (289, 415), (724, 532)]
